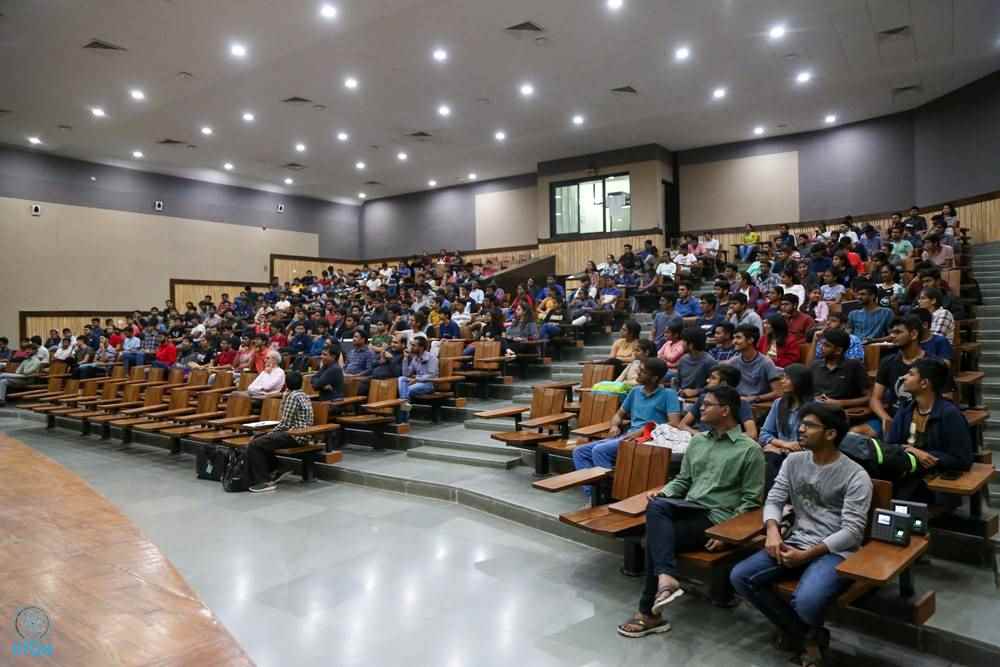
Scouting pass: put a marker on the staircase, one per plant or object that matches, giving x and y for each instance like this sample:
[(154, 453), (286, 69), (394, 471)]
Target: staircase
[(986, 267)]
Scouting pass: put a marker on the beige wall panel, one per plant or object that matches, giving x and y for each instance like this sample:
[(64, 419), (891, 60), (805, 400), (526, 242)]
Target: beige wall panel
[(37, 325), (77, 258), (506, 218), (572, 256), (760, 190), (287, 269), (646, 187)]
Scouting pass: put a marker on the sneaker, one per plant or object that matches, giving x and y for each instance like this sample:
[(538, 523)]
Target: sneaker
[(406, 406), (264, 487), (279, 476)]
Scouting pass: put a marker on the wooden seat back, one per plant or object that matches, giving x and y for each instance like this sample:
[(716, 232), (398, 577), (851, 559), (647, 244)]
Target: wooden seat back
[(109, 390), (382, 390), (308, 388), (246, 377), (237, 406), (179, 399), (156, 375), (873, 354), (223, 380), (55, 384), (153, 397), (546, 401), (175, 376), (71, 386), (117, 372), (197, 377), (639, 468), (270, 409), (594, 373), (321, 413), (445, 367), (486, 349), (208, 401), (449, 349), (57, 367), (131, 394), (351, 386), (137, 373), (597, 408)]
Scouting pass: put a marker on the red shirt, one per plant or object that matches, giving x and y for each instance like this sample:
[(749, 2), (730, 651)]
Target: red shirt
[(225, 358), (167, 353), (115, 340), (787, 354), (798, 324), (281, 339), (854, 259)]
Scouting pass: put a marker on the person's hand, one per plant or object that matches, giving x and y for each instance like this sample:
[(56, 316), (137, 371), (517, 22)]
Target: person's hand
[(792, 446), (773, 543), (774, 449), (714, 545), (791, 557), (925, 459), (614, 431), (652, 494)]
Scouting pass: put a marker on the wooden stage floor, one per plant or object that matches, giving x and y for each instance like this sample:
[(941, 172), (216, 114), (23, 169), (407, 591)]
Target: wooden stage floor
[(106, 594)]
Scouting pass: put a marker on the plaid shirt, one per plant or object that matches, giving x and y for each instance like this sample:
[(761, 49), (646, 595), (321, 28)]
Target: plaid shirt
[(721, 353), (296, 412), (150, 343)]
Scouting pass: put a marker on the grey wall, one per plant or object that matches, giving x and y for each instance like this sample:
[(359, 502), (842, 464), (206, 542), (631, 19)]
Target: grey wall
[(431, 220), (49, 178), (958, 143), (860, 168)]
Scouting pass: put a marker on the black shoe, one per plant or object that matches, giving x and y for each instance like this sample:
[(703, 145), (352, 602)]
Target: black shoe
[(264, 487), (279, 476)]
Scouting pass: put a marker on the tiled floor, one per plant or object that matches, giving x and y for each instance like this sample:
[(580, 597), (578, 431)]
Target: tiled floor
[(337, 574)]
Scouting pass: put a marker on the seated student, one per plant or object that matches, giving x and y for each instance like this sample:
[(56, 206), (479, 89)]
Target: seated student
[(359, 360), (799, 323), (686, 305), (710, 314), (663, 319), (940, 254), (445, 327), (870, 322), (723, 374), (759, 377), (936, 347), (624, 349), (673, 349), (741, 312), (645, 350), (778, 343), (830, 495), (888, 395), (296, 412), (649, 402), (270, 380), (26, 370), (166, 353), (836, 321), (942, 321), (419, 366), (832, 289), (815, 307), (780, 434), (581, 305), (931, 428), (389, 360), (5, 351), (522, 330), (695, 365), (723, 349), (771, 303), (722, 476), (838, 380), (329, 379)]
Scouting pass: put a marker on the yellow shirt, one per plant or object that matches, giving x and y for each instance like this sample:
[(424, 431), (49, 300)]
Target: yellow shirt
[(625, 350)]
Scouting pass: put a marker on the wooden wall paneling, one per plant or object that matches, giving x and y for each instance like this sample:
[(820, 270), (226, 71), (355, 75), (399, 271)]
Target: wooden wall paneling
[(39, 323), (183, 290), (982, 219), (287, 269), (572, 256)]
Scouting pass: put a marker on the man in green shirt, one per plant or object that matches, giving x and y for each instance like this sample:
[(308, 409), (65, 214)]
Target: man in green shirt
[(722, 475), (25, 371)]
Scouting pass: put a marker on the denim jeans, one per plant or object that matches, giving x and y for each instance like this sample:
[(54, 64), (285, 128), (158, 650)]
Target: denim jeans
[(669, 529), (601, 453), (132, 358), (819, 584), (745, 252)]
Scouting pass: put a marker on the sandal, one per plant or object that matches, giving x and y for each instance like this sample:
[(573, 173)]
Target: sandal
[(665, 596), (639, 626)]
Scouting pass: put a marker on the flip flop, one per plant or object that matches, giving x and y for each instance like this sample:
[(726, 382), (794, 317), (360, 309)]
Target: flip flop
[(645, 627), (665, 596)]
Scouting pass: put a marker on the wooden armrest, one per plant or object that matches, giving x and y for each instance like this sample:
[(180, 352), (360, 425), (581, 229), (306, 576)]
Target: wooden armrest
[(572, 479), (502, 412), (492, 360), (740, 529), (447, 380), (231, 421), (143, 410), (634, 505), (350, 400), (881, 562), (968, 483), (593, 430), (550, 420), (220, 390), (319, 429), (177, 412), (378, 405), (462, 358), (196, 387), (122, 406), (201, 416), (561, 385)]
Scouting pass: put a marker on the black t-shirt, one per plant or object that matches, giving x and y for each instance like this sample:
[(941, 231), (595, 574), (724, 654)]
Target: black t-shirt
[(847, 380), (890, 375)]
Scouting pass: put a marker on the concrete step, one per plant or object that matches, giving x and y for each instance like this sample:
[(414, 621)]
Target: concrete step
[(470, 458), (491, 425)]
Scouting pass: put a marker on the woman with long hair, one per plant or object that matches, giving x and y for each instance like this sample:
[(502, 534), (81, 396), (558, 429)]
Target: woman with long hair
[(748, 289), (777, 343), (780, 433)]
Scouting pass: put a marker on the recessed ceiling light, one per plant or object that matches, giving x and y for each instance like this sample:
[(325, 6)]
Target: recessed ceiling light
[(343, 136), (719, 93), (228, 166), (328, 11), (830, 119), (248, 117), (805, 76), (444, 110), (137, 155), (578, 119), (615, 5), (300, 147), (432, 183), (402, 157), (440, 55), (289, 181), (362, 195), (137, 94), (350, 83), (682, 53), (207, 131), (527, 90), (500, 135), (360, 166), (97, 112), (776, 32), (34, 141), (473, 176), (237, 50), (93, 178), (759, 130)]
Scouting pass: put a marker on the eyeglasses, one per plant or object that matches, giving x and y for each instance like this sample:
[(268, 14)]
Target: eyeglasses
[(811, 424), (713, 404)]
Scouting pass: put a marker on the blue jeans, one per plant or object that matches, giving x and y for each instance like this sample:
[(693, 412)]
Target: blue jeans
[(746, 251), (601, 454), (407, 389), (819, 584), (550, 330), (130, 359)]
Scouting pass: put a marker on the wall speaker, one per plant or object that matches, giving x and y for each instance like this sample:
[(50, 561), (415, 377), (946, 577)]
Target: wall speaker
[(36, 210), (158, 205), (281, 208)]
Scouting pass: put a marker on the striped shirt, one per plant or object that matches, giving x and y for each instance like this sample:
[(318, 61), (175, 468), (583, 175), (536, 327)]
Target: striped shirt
[(296, 412)]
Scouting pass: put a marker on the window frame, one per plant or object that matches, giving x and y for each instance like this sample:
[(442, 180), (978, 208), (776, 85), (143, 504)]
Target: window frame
[(553, 186)]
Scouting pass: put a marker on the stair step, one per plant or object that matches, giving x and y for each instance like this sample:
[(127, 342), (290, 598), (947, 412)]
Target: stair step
[(494, 425), (481, 459)]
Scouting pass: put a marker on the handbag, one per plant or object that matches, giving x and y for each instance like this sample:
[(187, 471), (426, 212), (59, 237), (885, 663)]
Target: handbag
[(210, 461), (236, 471)]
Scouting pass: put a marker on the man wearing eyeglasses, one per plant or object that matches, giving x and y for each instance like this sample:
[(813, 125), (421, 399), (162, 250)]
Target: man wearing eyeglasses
[(722, 475), (830, 495)]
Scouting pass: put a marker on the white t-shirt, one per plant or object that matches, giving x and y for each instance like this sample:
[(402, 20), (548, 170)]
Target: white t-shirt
[(686, 260), (666, 269), (711, 247)]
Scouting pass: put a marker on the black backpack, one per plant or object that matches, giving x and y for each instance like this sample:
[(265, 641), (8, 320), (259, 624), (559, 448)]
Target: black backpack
[(880, 460), (210, 461), (236, 471)]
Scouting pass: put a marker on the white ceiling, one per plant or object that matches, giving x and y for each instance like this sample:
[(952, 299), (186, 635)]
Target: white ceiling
[(46, 79)]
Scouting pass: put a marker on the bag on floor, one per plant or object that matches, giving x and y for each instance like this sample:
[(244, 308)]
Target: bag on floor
[(210, 461), (236, 473)]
